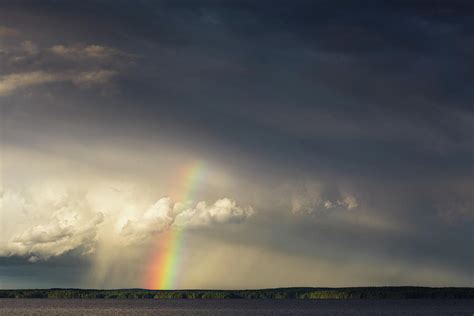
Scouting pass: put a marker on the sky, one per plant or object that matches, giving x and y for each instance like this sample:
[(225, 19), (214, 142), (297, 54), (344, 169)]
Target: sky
[(236, 144)]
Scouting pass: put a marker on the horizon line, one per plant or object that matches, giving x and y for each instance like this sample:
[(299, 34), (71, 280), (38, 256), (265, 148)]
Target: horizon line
[(244, 289)]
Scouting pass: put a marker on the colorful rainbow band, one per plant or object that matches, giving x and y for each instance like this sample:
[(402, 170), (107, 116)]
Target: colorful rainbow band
[(163, 270)]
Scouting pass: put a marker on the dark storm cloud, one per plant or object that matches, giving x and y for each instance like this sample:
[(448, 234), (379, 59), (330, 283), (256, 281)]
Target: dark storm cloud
[(66, 271), (318, 79), (374, 95), (385, 85)]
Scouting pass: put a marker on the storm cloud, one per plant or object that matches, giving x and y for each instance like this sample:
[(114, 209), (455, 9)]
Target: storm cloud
[(335, 139)]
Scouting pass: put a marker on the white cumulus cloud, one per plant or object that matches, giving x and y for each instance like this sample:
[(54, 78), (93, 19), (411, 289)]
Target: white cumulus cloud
[(48, 222), (222, 211), (43, 226), (165, 214), (66, 231)]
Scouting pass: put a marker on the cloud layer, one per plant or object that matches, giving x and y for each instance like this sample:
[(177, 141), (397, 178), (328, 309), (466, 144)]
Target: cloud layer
[(27, 64), (41, 227), (349, 128), (87, 51), (314, 197), (10, 83)]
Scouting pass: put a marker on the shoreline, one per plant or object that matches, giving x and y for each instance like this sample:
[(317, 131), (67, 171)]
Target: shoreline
[(384, 292)]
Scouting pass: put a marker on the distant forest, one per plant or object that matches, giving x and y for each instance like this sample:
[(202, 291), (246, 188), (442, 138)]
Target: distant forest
[(280, 293)]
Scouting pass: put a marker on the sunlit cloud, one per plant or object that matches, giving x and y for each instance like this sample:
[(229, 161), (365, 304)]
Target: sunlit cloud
[(314, 197), (7, 31), (51, 223), (10, 83), (87, 51)]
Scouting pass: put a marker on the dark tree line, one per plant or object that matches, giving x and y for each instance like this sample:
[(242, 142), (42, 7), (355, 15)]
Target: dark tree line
[(282, 293)]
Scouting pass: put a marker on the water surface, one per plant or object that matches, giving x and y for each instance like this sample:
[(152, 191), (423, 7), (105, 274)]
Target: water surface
[(104, 307)]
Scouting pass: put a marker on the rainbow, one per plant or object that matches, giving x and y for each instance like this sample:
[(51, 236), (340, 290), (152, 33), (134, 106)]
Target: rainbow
[(167, 251)]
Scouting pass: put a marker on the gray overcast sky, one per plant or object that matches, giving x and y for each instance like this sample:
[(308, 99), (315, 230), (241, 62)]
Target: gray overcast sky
[(279, 143)]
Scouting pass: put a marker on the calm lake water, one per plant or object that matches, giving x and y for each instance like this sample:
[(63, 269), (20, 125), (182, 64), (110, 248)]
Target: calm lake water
[(234, 307)]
